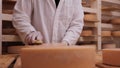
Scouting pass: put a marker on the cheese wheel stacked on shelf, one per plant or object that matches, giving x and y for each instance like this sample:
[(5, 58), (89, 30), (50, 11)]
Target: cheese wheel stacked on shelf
[(106, 33), (115, 21), (111, 56), (90, 17), (109, 46), (58, 57), (116, 33), (86, 33)]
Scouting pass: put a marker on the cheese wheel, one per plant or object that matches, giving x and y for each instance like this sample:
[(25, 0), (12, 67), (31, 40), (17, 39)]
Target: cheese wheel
[(109, 46), (86, 33), (58, 57), (106, 33), (15, 49), (116, 33), (111, 56), (115, 21), (90, 17)]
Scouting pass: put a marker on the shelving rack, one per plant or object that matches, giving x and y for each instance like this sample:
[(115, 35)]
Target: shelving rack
[(96, 26), (108, 15), (95, 9)]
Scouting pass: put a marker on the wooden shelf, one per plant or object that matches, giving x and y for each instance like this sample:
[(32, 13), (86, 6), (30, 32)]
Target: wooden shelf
[(10, 38), (88, 38), (112, 1), (90, 10), (7, 17), (112, 13)]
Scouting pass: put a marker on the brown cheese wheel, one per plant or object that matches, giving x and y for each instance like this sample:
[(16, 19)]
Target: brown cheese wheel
[(115, 21), (106, 33), (90, 17), (86, 33), (109, 46), (111, 56), (116, 33), (58, 57)]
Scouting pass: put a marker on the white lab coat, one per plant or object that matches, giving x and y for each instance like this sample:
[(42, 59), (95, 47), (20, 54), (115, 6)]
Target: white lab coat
[(56, 25)]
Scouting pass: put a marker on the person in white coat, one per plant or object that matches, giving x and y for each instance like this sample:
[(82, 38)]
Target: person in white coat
[(43, 20)]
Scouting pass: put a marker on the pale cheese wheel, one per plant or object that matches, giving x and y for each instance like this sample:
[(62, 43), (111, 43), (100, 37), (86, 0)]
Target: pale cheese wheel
[(115, 21), (106, 33), (58, 57), (86, 33), (116, 33), (90, 17), (109, 46), (111, 56)]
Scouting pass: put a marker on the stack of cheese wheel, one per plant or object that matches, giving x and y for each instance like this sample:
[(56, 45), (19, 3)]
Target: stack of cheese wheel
[(115, 21), (58, 56), (90, 17), (106, 33), (15, 49), (109, 46), (111, 57), (86, 33), (116, 33)]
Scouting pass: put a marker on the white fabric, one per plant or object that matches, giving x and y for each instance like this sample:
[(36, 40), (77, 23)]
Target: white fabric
[(63, 24)]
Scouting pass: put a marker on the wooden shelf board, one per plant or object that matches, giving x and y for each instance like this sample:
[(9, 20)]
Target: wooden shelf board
[(112, 1), (10, 38), (92, 38), (90, 10), (7, 17)]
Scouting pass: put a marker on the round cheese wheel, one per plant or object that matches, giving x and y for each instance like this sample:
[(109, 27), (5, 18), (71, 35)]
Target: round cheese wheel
[(90, 17), (111, 56), (115, 21), (58, 57), (106, 33), (116, 33), (86, 33), (109, 46)]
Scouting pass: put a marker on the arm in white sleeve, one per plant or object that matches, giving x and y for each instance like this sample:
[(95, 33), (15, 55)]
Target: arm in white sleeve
[(22, 18), (76, 26)]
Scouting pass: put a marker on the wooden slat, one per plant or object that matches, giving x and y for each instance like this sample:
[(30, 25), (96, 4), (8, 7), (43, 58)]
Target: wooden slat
[(10, 38), (6, 60), (18, 63), (100, 65)]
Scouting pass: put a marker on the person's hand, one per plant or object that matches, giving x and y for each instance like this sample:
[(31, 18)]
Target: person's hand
[(33, 36), (65, 43)]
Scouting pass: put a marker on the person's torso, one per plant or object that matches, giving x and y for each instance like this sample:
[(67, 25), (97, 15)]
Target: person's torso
[(50, 20)]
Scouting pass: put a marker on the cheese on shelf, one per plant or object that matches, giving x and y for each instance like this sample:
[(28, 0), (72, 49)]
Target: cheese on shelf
[(106, 33), (90, 17), (109, 46), (86, 33), (115, 21), (111, 56), (116, 33), (58, 56)]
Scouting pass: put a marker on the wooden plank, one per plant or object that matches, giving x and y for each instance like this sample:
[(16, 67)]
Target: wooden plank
[(112, 1), (7, 17), (100, 65), (10, 38), (0, 27), (6, 60), (90, 10), (18, 63)]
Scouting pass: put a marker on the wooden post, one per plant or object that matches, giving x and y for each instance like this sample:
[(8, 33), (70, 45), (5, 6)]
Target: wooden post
[(0, 26)]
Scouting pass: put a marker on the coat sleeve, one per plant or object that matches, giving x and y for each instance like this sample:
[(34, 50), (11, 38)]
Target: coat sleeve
[(22, 18), (76, 26)]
